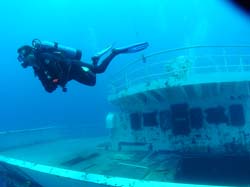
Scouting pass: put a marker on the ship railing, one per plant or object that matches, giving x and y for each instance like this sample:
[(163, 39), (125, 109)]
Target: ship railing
[(182, 63), (14, 139)]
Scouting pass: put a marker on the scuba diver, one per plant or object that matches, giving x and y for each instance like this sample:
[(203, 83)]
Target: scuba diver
[(55, 64)]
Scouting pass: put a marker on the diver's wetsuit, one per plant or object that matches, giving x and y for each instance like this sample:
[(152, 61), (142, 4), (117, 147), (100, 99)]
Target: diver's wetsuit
[(53, 70)]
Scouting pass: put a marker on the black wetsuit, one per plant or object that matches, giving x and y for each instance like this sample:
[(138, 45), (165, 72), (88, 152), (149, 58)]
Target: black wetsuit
[(54, 69)]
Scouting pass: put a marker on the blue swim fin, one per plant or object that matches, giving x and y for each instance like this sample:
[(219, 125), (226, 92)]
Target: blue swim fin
[(98, 55), (132, 48), (103, 52)]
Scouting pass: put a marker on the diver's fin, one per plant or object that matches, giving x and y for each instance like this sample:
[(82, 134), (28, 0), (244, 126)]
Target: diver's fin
[(132, 48), (103, 52), (98, 55)]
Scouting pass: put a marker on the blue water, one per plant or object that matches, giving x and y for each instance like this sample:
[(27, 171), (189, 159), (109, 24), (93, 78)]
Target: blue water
[(91, 26)]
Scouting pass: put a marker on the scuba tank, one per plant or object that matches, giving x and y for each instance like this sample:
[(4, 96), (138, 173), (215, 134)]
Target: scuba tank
[(46, 46)]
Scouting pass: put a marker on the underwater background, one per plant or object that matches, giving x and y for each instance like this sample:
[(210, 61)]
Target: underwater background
[(92, 26)]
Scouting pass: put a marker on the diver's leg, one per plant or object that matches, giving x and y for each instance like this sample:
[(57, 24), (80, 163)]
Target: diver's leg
[(116, 51), (104, 64), (87, 78), (82, 72), (97, 56), (78, 63), (95, 60)]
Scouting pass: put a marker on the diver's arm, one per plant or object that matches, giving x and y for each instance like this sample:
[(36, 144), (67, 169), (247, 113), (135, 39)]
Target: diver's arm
[(47, 83), (55, 65)]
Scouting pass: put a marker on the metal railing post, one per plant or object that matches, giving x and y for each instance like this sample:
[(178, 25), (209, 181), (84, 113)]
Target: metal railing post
[(126, 80), (241, 65)]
